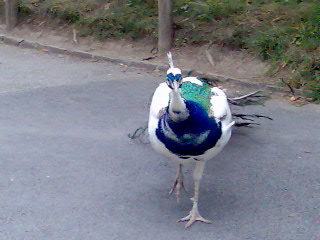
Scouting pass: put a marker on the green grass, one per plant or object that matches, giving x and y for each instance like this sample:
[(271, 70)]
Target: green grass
[(283, 32), (99, 18)]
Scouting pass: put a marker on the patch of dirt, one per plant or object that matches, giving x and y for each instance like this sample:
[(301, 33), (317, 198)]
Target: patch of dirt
[(207, 58)]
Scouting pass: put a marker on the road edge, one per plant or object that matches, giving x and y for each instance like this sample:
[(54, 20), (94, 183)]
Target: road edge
[(18, 42)]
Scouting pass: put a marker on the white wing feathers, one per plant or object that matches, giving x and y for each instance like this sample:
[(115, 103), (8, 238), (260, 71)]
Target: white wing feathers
[(160, 100), (220, 108)]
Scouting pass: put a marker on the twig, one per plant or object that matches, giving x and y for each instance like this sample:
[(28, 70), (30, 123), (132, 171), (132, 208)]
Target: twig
[(289, 86), (209, 57), (75, 36), (40, 24), (245, 96), (138, 133), (154, 50), (183, 20), (148, 58)]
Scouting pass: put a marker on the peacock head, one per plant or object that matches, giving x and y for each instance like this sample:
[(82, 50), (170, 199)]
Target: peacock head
[(174, 78)]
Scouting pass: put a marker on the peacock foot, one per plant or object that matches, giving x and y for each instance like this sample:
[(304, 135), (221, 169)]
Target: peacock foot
[(193, 216)]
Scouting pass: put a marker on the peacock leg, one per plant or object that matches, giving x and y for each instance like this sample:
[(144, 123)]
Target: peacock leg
[(194, 214), (178, 184)]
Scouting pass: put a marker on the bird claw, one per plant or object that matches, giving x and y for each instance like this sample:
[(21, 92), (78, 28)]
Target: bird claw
[(193, 216)]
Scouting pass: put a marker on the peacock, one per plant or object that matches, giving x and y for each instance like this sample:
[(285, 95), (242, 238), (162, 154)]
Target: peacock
[(190, 122)]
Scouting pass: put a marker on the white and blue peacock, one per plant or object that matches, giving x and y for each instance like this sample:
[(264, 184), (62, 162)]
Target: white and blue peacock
[(189, 121)]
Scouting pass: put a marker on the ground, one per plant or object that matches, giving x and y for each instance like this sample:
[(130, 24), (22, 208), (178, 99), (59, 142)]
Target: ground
[(68, 169)]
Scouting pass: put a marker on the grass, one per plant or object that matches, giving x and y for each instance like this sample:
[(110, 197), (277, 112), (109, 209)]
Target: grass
[(283, 32)]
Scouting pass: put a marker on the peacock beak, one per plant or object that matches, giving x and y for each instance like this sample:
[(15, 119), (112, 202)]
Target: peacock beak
[(176, 86)]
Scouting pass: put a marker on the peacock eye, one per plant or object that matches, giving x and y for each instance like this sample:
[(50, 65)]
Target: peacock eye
[(169, 83)]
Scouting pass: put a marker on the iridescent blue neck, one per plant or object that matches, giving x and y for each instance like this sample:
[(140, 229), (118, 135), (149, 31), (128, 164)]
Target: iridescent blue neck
[(191, 136)]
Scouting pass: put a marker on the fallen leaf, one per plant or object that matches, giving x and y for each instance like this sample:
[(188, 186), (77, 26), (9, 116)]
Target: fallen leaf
[(293, 99)]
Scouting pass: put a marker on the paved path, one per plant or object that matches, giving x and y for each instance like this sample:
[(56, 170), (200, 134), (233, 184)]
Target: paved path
[(69, 171)]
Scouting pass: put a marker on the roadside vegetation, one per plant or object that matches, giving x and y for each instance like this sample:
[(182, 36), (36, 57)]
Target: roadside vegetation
[(283, 32)]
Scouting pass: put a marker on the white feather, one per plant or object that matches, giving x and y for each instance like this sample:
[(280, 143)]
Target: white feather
[(193, 80), (174, 71), (219, 105), (170, 59), (160, 100)]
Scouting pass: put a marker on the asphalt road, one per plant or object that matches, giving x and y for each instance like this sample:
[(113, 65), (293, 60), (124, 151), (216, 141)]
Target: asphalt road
[(69, 171)]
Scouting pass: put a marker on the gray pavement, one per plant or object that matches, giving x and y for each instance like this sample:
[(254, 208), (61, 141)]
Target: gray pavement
[(69, 171)]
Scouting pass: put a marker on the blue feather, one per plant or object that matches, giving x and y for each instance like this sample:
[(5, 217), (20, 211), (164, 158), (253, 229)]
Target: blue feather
[(192, 136)]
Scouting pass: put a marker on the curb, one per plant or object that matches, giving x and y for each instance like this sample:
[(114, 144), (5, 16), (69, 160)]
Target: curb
[(140, 64)]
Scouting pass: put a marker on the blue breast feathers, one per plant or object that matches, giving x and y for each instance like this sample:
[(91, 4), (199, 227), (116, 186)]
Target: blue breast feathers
[(191, 137)]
